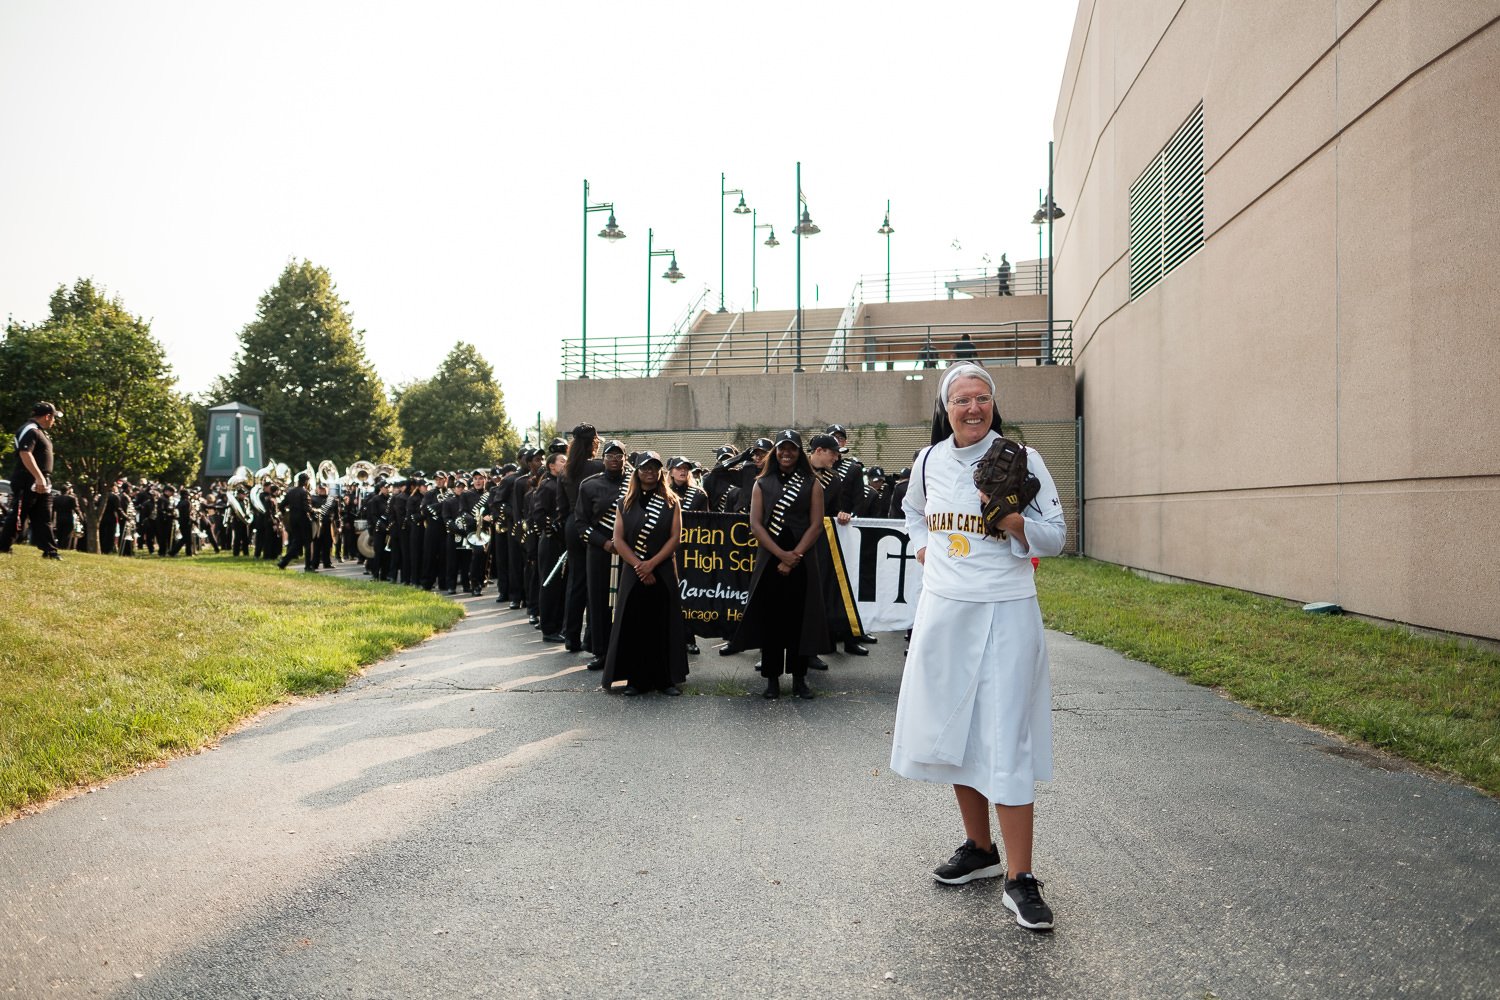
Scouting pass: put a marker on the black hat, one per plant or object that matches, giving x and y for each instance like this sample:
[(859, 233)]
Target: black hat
[(585, 431), (725, 450), (837, 429), (904, 473), (678, 461), (875, 472), (44, 409), (507, 468), (614, 444), (557, 446), (480, 474), (440, 474), (496, 470), (789, 436), (645, 458), (763, 444), (822, 441)]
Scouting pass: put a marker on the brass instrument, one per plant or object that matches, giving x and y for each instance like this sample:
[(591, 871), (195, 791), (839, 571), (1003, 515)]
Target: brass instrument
[(479, 537)]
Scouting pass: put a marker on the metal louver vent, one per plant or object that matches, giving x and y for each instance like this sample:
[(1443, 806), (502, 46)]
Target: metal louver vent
[(1166, 207)]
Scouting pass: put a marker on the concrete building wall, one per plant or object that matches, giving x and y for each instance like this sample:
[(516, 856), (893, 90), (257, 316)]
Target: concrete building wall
[(1310, 405)]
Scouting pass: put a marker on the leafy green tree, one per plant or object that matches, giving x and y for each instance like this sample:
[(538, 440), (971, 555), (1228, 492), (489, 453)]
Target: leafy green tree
[(122, 414), (457, 417), (303, 364)]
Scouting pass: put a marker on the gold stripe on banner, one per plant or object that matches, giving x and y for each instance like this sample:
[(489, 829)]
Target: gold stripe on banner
[(850, 608)]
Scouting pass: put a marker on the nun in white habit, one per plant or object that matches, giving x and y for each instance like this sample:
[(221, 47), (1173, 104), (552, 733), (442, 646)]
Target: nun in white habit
[(975, 709)]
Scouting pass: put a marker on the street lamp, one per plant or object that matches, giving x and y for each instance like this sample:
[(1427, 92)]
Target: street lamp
[(610, 232), (804, 227), (886, 231), (672, 274), (1047, 213), (740, 209), (771, 241)]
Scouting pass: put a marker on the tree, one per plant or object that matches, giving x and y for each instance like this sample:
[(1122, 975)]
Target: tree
[(122, 414), (457, 417), (302, 363)]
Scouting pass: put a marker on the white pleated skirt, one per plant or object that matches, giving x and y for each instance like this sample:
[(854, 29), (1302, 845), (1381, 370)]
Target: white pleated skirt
[(976, 699)]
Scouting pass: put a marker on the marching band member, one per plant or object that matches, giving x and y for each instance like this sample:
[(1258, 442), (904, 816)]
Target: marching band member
[(581, 465), (599, 499), (551, 546), (784, 616), (646, 647)]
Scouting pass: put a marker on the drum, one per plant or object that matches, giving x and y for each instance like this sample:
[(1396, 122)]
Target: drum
[(366, 546), (360, 524)]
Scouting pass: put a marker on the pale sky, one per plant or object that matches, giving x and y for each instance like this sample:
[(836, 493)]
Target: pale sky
[(432, 157)]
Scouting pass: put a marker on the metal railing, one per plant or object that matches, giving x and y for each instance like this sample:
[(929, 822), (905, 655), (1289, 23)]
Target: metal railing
[(907, 347), (1027, 277)]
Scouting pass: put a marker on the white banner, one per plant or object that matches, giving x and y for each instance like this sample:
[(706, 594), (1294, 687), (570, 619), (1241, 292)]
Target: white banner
[(882, 571)]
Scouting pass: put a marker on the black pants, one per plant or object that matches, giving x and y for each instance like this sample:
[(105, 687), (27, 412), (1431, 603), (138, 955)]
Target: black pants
[(552, 596), (516, 564), (499, 554), (600, 619), (36, 510), (479, 562), (533, 578), (297, 544), (575, 582), (434, 555), (416, 563), (239, 533)]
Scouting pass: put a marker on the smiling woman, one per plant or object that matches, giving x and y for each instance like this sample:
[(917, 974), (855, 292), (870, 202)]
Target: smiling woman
[(94, 703), (975, 708)]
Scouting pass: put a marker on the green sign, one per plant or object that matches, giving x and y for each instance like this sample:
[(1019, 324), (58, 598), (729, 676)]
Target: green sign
[(220, 460)]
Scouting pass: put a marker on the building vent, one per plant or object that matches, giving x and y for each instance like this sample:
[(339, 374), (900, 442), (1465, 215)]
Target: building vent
[(1166, 207)]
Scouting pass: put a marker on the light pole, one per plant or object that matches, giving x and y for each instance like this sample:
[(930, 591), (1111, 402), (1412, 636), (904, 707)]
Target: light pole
[(672, 274), (886, 231), (1047, 213), (771, 241), (610, 232), (804, 227), (740, 209)]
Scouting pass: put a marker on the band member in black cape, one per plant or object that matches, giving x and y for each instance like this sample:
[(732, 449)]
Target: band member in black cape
[(646, 645), (599, 499), (784, 616), (581, 465), (551, 546)]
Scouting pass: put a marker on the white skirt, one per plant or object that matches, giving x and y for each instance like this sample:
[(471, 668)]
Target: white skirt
[(976, 699)]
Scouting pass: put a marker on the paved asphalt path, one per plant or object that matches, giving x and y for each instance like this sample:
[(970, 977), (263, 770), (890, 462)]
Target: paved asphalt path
[(474, 818)]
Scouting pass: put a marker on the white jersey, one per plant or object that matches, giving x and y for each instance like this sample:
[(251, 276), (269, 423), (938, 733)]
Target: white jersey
[(942, 510)]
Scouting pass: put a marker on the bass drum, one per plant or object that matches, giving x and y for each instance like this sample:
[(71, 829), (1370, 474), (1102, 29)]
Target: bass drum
[(360, 524), (366, 546)]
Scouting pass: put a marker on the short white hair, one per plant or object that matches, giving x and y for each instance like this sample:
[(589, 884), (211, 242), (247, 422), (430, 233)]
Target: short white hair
[(966, 369)]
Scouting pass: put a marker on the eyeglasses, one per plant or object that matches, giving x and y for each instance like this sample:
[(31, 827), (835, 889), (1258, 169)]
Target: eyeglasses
[(964, 402)]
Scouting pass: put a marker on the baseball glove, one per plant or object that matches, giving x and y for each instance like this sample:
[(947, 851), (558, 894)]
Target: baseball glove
[(1002, 476)]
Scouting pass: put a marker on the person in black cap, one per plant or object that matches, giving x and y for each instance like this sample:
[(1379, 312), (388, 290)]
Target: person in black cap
[(599, 499), (499, 532), (718, 480), (581, 465), (693, 498), (435, 532), (513, 587), (551, 547), (784, 615), (31, 483), (850, 470), (876, 495), (64, 516), (416, 531), (479, 519), (296, 516), (646, 646)]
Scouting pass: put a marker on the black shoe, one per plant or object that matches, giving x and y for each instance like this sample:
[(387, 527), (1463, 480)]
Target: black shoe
[(801, 690), (693, 649), (773, 689), (280, 563), (515, 605), (672, 691), (533, 620), (868, 640), (855, 649), (630, 690), (597, 663), (309, 569), (969, 863), (52, 555), (501, 600), (574, 646), (758, 665), (727, 650), (816, 663), (553, 637), (328, 565), (1023, 897)]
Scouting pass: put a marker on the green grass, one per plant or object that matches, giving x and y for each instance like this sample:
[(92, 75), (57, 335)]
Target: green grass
[(107, 664), (1433, 701)]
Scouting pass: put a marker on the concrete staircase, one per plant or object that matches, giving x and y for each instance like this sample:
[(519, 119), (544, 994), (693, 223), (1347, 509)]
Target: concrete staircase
[(750, 342)]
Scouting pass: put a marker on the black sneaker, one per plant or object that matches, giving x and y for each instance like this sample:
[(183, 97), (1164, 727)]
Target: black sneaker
[(1023, 897), (969, 863)]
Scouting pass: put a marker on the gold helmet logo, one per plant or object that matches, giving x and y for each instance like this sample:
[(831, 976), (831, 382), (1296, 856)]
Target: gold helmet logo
[(958, 546)]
